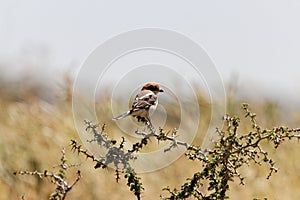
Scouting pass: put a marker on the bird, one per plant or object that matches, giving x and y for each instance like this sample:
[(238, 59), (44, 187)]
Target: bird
[(145, 100)]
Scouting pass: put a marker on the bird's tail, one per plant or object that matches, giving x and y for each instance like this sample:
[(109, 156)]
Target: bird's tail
[(122, 116)]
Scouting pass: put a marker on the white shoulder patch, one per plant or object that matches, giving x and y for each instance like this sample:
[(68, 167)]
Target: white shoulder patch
[(146, 96)]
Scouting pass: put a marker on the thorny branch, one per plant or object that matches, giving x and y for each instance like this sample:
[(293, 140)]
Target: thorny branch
[(58, 179), (230, 152)]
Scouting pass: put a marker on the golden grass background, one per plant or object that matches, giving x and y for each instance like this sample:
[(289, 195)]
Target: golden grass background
[(33, 132)]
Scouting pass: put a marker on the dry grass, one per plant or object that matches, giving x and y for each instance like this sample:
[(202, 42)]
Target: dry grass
[(33, 133)]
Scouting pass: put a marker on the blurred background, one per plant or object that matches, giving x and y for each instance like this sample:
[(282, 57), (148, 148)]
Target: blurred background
[(254, 46)]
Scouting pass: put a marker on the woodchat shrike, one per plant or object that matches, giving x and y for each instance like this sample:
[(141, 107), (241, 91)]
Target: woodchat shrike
[(144, 100)]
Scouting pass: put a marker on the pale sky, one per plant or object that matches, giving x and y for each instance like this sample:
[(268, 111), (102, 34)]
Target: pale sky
[(258, 40)]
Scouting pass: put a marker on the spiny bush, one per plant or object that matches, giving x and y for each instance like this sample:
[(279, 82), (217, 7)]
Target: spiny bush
[(218, 166)]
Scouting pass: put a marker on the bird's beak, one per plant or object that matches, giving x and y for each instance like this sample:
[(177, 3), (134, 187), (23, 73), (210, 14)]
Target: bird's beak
[(161, 90)]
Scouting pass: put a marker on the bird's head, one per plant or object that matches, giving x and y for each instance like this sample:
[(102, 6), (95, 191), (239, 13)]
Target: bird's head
[(154, 87)]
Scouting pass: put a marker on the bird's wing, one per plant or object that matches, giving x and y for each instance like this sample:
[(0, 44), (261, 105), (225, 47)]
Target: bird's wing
[(144, 100)]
